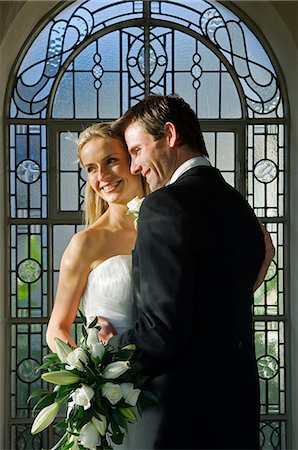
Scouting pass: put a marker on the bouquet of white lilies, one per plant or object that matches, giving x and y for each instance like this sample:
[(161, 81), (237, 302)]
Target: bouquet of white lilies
[(101, 387)]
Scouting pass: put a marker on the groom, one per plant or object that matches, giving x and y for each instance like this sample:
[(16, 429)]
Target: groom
[(197, 256)]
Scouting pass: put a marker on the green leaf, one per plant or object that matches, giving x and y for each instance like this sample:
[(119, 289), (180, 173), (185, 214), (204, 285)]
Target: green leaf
[(124, 355), (65, 391), (141, 381), (119, 419), (93, 323), (45, 401), (91, 376), (85, 334), (117, 438), (52, 357), (148, 397), (83, 317), (60, 442), (37, 393), (61, 425)]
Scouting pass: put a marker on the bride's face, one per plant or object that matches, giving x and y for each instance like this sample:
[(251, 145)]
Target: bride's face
[(107, 163)]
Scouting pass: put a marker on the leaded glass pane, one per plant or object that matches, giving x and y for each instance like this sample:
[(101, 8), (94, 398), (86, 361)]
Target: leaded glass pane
[(269, 298), (273, 435), (22, 439), (199, 76), (221, 147), (210, 20), (266, 169), (270, 353), (72, 177), (28, 271), (237, 43), (28, 171), (27, 350)]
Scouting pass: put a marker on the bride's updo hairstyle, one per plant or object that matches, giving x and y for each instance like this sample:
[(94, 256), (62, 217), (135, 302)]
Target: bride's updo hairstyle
[(94, 205)]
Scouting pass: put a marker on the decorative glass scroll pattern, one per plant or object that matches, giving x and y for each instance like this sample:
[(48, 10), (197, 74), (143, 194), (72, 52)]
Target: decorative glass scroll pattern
[(213, 22), (28, 171), (110, 75), (28, 271)]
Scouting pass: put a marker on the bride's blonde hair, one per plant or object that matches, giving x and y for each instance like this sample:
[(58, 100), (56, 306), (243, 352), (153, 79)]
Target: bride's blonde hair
[(94, 205)]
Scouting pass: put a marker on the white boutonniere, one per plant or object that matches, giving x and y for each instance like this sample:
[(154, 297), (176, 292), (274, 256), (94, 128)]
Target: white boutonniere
[(134, 208)]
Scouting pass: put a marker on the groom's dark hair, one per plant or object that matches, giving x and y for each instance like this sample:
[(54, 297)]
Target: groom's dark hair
[(154, 111)]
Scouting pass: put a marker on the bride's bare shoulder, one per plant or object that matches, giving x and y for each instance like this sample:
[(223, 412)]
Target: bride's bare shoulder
[(91, 239), (85, 247)]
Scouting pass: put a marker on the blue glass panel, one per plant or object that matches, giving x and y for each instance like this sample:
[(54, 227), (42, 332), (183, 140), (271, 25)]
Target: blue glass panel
[(85, 59), (85, 95), (230, 102), (109, 96), (208, 96), (109, 49), (63, 103)]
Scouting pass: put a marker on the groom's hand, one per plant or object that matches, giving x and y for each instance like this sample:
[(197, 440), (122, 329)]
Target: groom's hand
[(107, 330)]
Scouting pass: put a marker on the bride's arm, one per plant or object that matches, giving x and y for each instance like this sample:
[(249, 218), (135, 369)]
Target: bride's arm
[(269, 254), (74, 270)]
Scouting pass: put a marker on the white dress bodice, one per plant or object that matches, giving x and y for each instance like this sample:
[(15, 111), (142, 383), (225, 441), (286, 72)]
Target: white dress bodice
[(108, 292)]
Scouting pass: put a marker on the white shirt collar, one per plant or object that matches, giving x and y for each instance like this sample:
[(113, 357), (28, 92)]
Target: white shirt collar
[(189, 164)]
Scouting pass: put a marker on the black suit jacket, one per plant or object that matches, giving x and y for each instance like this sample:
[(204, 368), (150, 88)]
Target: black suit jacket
[(197, 256)]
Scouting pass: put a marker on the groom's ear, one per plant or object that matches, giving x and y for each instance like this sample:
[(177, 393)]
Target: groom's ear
[(171, 134)]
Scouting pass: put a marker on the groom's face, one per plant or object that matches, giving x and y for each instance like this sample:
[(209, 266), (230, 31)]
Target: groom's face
[(153, 159)]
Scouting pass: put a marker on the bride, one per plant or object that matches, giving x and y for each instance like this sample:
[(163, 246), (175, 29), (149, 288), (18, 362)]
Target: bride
[(96, 265)]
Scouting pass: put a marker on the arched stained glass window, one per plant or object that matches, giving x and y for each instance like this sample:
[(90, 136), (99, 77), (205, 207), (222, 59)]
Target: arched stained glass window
[(90, 61)]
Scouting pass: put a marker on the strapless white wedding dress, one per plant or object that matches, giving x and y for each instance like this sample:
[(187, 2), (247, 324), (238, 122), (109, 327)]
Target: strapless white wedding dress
[(108, 294)]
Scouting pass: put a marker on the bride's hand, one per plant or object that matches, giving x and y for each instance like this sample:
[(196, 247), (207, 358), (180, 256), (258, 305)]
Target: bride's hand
[(269, 254), (107, 330)]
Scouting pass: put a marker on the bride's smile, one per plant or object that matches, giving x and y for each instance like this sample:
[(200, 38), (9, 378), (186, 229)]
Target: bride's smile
[(110, 187)]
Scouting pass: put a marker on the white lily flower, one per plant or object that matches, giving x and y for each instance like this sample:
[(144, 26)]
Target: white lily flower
[(62, 349), (92, 337), (115, 369), (100, 425), (45, 417), (61, 377), (97, 350), (130, 394), (76, 359), (89, 436)]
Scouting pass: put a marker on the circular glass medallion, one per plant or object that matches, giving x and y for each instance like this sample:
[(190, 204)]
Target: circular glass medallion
[(29, 270), (267, 367), (28, 370), (265, 171), (28, 171)]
